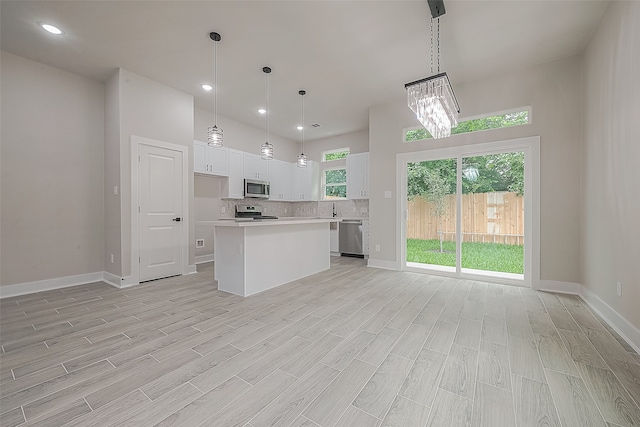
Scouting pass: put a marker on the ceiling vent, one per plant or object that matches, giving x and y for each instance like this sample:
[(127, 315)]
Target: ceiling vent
[(315, 125)]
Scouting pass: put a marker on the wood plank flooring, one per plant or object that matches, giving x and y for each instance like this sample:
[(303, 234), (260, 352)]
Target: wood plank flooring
[(351, 346)]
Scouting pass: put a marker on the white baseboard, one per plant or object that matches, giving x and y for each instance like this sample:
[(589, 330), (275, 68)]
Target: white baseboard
[(112, 279), (627, 331), (386, 265), (560, 287), (192, 269), (201, 259), (49, 284)]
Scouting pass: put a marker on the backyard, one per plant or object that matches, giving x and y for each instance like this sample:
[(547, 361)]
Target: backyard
[(475, 255)]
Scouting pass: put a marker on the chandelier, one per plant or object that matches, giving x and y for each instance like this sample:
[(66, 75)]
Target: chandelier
[(432, 98), (214, 133)]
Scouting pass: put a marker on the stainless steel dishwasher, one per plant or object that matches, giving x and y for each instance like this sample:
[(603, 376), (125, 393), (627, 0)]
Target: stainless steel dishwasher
[(350, 232)]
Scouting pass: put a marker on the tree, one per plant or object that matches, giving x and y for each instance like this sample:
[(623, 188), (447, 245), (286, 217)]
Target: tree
[(435, 191)]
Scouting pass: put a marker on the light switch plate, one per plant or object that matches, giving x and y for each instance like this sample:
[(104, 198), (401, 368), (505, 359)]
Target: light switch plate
[(387, 194)]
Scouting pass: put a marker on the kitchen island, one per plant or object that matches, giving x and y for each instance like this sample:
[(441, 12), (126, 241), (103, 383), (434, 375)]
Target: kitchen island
[(256, 255)]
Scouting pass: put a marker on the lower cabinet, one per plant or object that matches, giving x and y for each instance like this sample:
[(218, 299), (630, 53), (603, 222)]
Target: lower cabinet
[(334, 239)]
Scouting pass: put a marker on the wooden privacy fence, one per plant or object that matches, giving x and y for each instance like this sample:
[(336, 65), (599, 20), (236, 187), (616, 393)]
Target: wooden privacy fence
[(486, 217)]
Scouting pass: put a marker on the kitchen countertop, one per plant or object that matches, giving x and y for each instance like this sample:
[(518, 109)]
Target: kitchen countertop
[(232, 222)]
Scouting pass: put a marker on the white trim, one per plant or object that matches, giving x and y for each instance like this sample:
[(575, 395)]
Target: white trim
[(136, 141), (201, 259), (530, 146), (112, 279), (559, 287), (380, 263), (192, 269), (49, 284), (622, 326)]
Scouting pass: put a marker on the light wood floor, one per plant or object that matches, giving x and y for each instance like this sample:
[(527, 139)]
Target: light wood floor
[(352, 346)]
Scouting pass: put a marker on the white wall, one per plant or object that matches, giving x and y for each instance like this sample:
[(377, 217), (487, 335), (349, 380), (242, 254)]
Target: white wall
[(358, 142), (610, 163), (52, 212), (554, 92), (150, 110)]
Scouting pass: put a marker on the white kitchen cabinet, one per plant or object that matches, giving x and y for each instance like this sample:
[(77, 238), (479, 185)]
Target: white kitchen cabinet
[(358, 176), (255, 167), (306, 182), (334, 238), (232, 187), (365, 237), (281, 180), (210, 160)]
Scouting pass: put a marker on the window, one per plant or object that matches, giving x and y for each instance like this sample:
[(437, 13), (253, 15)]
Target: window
[(340, 153), (334, 182), (520, 116)]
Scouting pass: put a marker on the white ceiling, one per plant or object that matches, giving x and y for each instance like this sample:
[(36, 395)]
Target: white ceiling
[(347, 55)]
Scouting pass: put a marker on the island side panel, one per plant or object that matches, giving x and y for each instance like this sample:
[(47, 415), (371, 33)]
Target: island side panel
[(279, 254), (229, 262)]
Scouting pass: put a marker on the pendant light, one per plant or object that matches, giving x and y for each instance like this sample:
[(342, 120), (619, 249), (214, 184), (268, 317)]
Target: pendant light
[(214, 133), (266, 148), (302, 158)]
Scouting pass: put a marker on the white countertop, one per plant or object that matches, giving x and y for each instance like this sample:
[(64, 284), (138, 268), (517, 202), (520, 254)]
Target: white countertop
[(269, 222)]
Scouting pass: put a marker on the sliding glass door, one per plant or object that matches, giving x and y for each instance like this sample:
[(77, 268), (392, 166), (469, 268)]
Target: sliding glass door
[(469, 214)]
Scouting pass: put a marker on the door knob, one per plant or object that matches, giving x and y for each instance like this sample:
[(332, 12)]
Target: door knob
[(177, 219)]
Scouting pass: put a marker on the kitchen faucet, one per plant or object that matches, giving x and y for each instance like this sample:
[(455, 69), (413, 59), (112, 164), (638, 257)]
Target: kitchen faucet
[(334, 210)]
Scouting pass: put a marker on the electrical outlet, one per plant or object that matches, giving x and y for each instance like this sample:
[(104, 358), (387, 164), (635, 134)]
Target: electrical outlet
[(199, 243), (112, 261), (223, 209), (619, 289), (115, 190), (285, 210), (377, 248)]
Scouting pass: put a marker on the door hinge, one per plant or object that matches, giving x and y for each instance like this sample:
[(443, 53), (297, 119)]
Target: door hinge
[(138, 260), (138, 209), (138, 159)]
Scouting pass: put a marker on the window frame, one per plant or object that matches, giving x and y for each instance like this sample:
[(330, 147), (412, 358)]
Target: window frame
[(325, 185), (527, 108), (336, 150)]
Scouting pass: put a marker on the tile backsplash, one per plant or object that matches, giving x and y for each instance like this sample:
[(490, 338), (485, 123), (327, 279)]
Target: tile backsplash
[(324, 208)]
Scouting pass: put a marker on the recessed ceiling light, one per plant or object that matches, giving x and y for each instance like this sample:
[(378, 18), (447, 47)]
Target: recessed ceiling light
[(51, 29), (262, 111), (300, 128), (207, 87)]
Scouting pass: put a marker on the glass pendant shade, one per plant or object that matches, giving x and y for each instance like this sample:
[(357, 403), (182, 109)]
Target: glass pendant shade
[(266, 151), (435, 105), (302, 160), (214, 136)]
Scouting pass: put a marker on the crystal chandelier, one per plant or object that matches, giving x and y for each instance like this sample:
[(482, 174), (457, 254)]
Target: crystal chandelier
[(302, 158), (432, 99), (266, 150), (214, 133)]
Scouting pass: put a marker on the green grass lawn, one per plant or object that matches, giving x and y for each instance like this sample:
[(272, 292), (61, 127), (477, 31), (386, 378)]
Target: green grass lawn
[(478, 256)]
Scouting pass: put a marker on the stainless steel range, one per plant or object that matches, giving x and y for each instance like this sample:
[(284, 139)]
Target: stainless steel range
[(250, 212)]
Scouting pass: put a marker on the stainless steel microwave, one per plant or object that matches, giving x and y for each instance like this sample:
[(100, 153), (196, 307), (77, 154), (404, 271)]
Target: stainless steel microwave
[(256, 189)]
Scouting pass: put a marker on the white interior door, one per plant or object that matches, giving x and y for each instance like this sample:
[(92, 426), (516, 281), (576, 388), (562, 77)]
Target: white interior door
[(161, 217)]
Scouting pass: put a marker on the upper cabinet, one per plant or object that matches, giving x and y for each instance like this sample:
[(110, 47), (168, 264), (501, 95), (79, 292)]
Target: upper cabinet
[(210, 160), (306, 182), (281, 179), (255, 167), (358, 176), (232, 187)]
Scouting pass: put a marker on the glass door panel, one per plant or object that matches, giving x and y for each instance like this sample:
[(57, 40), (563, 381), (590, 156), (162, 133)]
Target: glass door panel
[(431, 214), (492, 215)]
